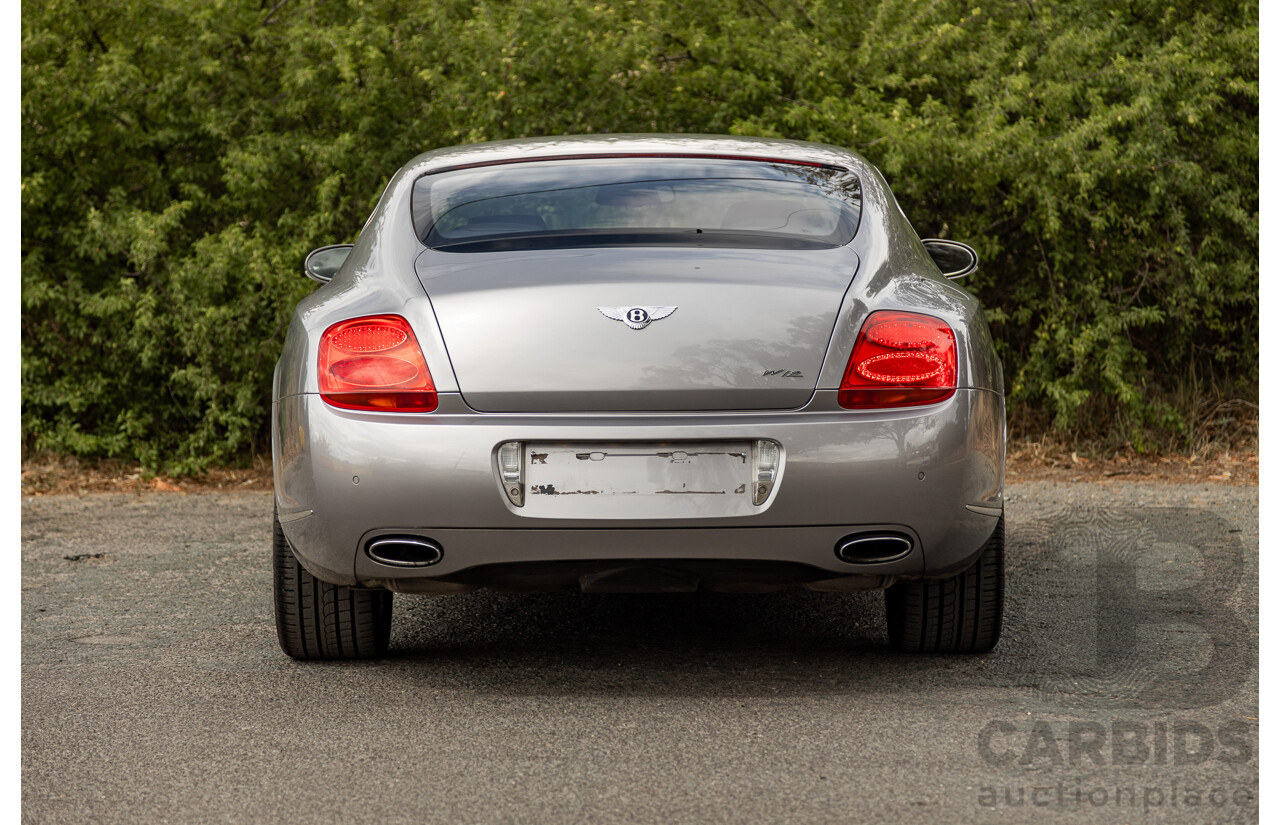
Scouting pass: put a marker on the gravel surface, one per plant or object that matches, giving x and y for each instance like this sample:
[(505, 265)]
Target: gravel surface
[(1123, 690)]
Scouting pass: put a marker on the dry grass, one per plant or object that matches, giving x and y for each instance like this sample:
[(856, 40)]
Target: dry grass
[(61, 475), (1220, 443), (1047, 458)]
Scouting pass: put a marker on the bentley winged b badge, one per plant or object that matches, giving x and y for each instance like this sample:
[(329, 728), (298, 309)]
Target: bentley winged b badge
[(636, 317)]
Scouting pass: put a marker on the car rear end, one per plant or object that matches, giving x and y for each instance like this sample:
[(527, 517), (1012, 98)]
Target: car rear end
[(637, 374)]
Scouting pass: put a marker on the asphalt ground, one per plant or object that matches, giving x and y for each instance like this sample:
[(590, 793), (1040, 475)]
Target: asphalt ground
[(1124, 689)]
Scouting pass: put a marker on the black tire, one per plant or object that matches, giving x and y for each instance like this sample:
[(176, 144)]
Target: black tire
[(960, 614), (318, 620)]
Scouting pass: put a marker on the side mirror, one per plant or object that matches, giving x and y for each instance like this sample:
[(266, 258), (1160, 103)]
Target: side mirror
[(323, 263), (955, 259)]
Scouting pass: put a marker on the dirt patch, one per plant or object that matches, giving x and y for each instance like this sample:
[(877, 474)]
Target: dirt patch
[(56, 475), (1214, 460), (1239, 468)]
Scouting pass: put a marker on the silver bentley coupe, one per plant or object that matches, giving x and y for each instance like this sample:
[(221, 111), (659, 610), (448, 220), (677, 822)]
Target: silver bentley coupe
[(631, 364)]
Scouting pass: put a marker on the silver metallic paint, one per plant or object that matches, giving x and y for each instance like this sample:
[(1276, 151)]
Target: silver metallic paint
[(524, 333), (912, 469), (841, 468)]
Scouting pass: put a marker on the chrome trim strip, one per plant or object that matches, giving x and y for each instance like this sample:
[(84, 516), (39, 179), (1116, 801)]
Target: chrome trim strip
[(995, 512)]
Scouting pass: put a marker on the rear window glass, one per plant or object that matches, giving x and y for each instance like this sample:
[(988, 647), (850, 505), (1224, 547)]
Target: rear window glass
[(630, 201)]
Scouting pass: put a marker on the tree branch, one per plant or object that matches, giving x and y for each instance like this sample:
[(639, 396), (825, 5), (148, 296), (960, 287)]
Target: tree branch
[(273, 11)]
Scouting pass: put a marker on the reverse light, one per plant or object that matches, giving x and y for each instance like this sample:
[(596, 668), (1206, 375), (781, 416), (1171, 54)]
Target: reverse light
[(764, 469), (901, 359), (375, 363), (511, 469)]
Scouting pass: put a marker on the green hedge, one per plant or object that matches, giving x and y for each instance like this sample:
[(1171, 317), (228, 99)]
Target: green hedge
[(180, 158)]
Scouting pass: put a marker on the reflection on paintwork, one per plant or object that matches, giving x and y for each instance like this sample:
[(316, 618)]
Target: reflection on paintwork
[(841, 467), (916, 467), (525, 334)]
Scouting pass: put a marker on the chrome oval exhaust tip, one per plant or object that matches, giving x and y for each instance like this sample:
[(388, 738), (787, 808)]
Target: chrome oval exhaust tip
[(404, 551), (873, 548)]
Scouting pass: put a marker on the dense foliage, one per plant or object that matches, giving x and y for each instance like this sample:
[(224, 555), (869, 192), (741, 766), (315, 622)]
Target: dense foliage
[(180, 158)]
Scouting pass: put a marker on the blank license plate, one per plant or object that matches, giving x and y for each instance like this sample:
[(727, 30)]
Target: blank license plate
[(637, 480)]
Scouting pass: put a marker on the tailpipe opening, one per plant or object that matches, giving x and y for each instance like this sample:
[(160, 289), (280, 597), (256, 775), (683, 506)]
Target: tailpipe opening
[(865, 548), (404, 551)]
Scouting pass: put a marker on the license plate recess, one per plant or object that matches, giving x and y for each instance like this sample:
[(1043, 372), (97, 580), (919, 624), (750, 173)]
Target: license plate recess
[(638, 480)]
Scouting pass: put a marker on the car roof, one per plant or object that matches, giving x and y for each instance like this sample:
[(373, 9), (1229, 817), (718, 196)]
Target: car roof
[(526, 149)]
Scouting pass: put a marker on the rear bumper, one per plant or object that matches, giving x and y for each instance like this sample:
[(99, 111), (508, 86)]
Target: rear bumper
[(933, 473)]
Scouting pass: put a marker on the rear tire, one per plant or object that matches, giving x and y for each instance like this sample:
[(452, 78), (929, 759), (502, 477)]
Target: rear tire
[(318, 620), (960, 614)]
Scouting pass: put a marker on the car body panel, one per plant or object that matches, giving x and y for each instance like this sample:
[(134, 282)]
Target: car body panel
[(525, 333), (342, 476), (917, 468)]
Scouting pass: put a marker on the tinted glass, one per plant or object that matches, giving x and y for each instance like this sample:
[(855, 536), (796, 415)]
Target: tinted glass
[(626, 201)]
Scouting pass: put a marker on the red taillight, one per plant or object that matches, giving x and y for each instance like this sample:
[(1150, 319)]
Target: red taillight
[(901, 359), (375, 364)]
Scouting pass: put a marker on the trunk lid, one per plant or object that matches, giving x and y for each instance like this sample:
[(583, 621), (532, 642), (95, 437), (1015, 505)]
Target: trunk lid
[(536, 331)]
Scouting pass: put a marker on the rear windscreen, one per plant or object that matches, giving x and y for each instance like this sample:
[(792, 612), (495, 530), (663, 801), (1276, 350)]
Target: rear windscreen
[(631, 201)]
